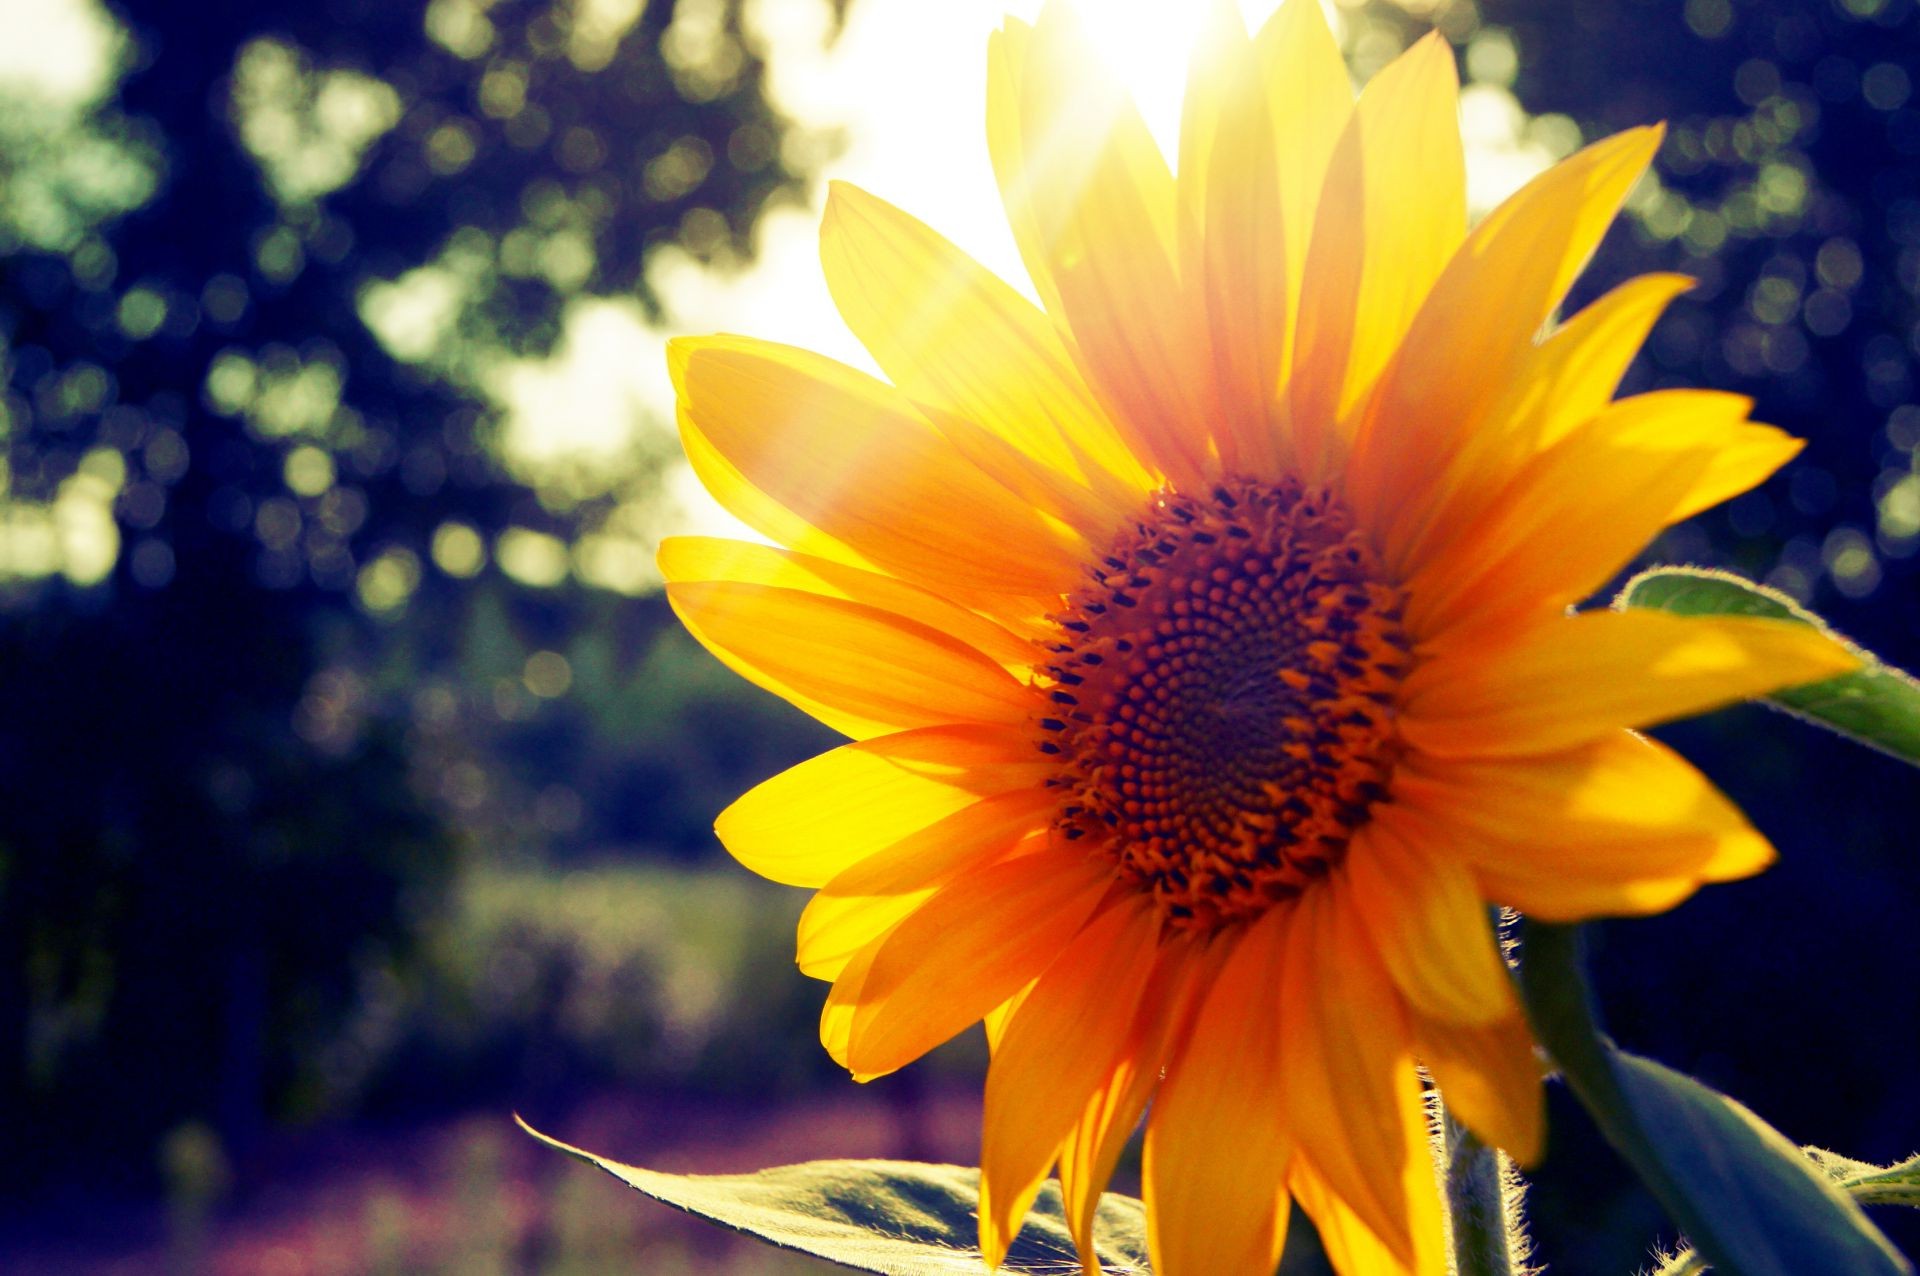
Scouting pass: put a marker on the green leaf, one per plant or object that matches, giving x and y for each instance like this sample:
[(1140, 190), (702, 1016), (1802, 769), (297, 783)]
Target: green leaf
[(892, 1217), (1865, 1183), (1878, 706), (1749, 1201)]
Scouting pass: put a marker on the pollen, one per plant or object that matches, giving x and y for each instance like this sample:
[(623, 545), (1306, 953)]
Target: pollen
[(1220, 697)]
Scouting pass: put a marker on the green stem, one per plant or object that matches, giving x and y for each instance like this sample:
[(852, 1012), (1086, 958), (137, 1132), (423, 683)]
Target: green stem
[(1477, 1185)]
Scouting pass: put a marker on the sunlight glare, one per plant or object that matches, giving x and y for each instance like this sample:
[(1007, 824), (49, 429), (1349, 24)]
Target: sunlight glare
[(1147, 45)]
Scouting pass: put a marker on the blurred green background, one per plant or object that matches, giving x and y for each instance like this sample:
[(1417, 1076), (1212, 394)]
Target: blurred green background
[(357, 783)]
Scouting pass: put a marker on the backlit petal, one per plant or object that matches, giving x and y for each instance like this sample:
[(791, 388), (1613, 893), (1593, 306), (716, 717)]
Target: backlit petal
[(1092, 1148), (1425, 915), (1218, 1142), (1092, 205), (1353, 1248), (1309, 100), (707, 558), (1559, 682), (1621, 825), (1574, 371), (1392, 213), (1233, 247), (1347, 1034), (978, 357), (1491, 1079), (809, 433), (975, 943), (867, 898), (814, 820), (1060, 1047), (858, 669), (1423, 424), (1576, 513)]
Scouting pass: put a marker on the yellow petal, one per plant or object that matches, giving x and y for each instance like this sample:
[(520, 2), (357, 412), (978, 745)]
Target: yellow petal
[(1574, 372), (1351, 1089), (845, 999), (1744, 453), (1352, 1247), (1060, 1047), (979, 940), (978, 357), (1233, 247), (1392, 213), (1428, 922), (858, 669), (867, 898), (1491, 1080), (1309, 99), (996, 1020), (1575, 514), (1218, 1142), (1092, 1148), (1621, 825), (1092, 205), (814, 820), (1558, 386), (848, 455), (704, 558), (1560, 682), (1008, 52), (1426, 420), (751, 505)]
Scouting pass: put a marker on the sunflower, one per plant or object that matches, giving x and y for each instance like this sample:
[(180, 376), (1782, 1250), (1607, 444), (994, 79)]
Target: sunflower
[(1204, 634)]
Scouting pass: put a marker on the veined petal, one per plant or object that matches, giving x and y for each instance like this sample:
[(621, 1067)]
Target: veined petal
[(866, 899), (814, 820), (1393, 211), (711, 558), (1092, 205), (1744, 453), (807, 432), (1563, 681), (1309, 100), (1424, 913), (980, 939), (1353, 1248), (844, 1001), (1008, 52), (752, 506), (1092, 1148), (1428, 412), (1620, 825), (1572, 375), (1218, 1142), (995, 1021), (1347, 1034), (1559, 386), (856, 668), (978, 358), (1575, 514), (1233, 245), (1060, 1047), (1491, 1079)]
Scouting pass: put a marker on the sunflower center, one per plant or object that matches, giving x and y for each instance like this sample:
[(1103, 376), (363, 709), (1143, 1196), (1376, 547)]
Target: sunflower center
[(1222, 698)]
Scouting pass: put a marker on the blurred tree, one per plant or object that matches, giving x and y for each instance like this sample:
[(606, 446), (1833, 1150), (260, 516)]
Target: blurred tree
[(253, 318)]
